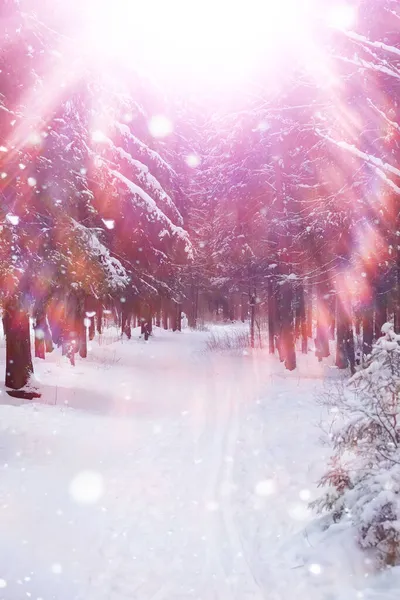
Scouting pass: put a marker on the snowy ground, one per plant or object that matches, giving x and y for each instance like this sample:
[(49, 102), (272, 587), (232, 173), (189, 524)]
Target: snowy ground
[(160, 471)]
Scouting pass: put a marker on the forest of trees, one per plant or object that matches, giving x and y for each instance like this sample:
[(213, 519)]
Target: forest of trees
[(282, 209)]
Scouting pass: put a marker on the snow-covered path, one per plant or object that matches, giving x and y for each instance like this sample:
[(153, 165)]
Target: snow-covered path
[(177, 474)]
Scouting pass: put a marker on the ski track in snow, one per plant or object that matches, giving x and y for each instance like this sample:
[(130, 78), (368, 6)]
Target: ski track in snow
[(181, 439)]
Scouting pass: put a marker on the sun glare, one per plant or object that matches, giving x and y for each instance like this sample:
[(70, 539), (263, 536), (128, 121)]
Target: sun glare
[(222, 35), (160, 126), (342, 16), (192, 160)]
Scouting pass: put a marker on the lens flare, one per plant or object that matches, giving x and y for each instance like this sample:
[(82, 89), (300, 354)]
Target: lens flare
[(160, 126)]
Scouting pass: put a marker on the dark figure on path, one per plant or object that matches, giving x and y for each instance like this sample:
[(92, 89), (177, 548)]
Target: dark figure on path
[(146, 329)]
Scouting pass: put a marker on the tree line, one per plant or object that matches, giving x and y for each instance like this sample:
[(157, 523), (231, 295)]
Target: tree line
[(285, 205), (302, 210)]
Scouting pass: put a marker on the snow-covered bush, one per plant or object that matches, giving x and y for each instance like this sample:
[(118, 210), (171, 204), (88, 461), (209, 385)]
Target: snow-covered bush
[(231, 340), (363, 478)]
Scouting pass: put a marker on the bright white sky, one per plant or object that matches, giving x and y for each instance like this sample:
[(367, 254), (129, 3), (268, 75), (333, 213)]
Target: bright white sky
[(208, 38)]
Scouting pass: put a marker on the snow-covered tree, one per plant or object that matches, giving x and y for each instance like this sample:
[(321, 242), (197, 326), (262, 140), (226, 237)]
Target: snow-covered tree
[(135, 189), (47, 243), (364, 475)]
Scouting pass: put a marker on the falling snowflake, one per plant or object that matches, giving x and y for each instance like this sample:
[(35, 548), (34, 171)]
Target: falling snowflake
[(192, 160), (13, 219), (160, 126), (305, 495), (109, 223), (34, 138), (299, 512), (315, 569), (56, 568), (212, 506), (98, 136), (87, 487), (262, 126), (265, 488), (3, 149), (31, 181), (3, 583), (342, 17)]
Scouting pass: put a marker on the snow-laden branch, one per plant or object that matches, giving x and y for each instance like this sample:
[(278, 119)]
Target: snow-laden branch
[(379, 165), (383, 115), (150, 205), (143, 149), (144, 176), (359, 62), (386, 179), (380, 45), (116, 275)]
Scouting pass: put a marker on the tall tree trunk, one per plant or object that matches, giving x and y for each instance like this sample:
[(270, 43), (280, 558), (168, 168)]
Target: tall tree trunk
[(164, 314), (351, 355), (271, 317), (287, 326), (345, 355), (73, 324), (332, 314), (99, 317), (367, 315), (80, 326), (243, 307), (19, 366), (252, 302), (309, 319), (90, 310), (232, 307), (368, 328), (147, 321), (43, 340), (172, 316), (157, 311), (323, 320), (193, 306), (92, 329), (301, 308), (48, 340), (126, 322), (225, 308), (56, 315), (179, 316), (380, 311), (296, 307), (83, 335), (341, 358), (396, 300), (40, 346), (357, 321)]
